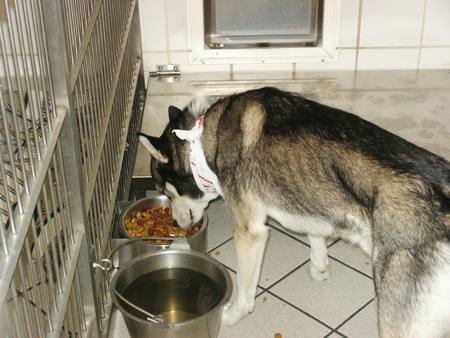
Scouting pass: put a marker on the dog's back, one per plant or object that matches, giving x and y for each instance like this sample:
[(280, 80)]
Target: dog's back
[(289, 126)]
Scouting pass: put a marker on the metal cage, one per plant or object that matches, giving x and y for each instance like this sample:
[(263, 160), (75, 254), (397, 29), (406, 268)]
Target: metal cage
[(72, 97)]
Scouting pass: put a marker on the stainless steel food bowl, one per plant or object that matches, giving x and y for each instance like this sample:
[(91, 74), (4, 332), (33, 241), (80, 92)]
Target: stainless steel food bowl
[(185, 290), (197, 241)]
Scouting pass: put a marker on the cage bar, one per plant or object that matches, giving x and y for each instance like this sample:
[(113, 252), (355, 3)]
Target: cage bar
[(67, 122)]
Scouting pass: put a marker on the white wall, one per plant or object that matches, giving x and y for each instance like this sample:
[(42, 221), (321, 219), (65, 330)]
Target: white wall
[(374, 34)]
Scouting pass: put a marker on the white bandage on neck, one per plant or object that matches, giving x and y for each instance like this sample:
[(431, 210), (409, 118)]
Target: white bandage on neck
[(206, 180)]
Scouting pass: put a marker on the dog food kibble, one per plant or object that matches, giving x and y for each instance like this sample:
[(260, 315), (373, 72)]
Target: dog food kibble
[(156, 221)]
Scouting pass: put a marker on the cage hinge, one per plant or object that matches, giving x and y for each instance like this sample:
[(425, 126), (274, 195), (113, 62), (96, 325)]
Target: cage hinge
[(166, 70)]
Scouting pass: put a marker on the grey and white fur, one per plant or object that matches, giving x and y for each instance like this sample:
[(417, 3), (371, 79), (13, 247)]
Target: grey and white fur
[(324, 172)]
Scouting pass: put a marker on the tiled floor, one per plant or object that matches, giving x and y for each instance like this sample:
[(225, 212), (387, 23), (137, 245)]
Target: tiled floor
[(288, 301)]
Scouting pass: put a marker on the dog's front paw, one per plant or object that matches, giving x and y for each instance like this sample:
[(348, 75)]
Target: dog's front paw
[(319, 275), (232, 313)]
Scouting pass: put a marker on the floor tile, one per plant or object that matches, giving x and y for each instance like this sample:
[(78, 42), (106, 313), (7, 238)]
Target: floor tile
[(278, 261), (351, 255), (272, 316), (363, 324), (331, 301), (220, 227)]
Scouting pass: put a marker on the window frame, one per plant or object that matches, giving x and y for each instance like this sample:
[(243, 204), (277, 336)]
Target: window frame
[(200, 54)]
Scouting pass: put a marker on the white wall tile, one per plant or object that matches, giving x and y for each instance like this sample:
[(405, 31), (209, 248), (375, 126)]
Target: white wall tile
[(268, 67), (348, 27), (151, 59), (384, 23), (437, 23), (177, 16), (263, 71), (388, 59), (435, 58), (182, 58), (153, 25), (345, 61), (391, 23)]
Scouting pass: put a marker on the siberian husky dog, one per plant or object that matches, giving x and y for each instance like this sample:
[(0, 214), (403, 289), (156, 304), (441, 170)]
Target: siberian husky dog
[(320, 171)]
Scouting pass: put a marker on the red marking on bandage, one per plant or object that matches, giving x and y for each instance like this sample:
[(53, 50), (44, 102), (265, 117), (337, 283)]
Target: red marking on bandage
[(205, 179)]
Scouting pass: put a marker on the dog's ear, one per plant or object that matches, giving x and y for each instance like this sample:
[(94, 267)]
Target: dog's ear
[(173, 113), (151, 144)]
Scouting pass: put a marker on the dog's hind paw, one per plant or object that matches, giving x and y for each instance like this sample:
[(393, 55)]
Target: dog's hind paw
[(319, 275), (231, 314)]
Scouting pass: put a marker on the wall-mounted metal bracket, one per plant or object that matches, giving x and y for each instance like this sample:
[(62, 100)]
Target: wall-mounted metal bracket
[(166, 70)]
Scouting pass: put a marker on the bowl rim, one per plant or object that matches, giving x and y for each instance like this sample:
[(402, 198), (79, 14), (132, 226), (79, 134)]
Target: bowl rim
[(124, 232)]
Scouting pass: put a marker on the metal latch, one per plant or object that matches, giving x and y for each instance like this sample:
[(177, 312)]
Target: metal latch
[(166, 70), (104, 265)]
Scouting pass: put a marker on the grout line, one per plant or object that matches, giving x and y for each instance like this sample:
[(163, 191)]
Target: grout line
[(336, 332), (219, 245), (353, 315), (261, 293), (422, 32), (284, 232), (286, 276), (263, 290), (350, 267), (166, 23), (333, 243), (266, 289), (435, 46), (358, 35), (395, 47), (299, 309), (160, 51), (287, 234)]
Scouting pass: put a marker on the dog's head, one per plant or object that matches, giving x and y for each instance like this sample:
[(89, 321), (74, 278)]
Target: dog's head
[(170, 167)]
